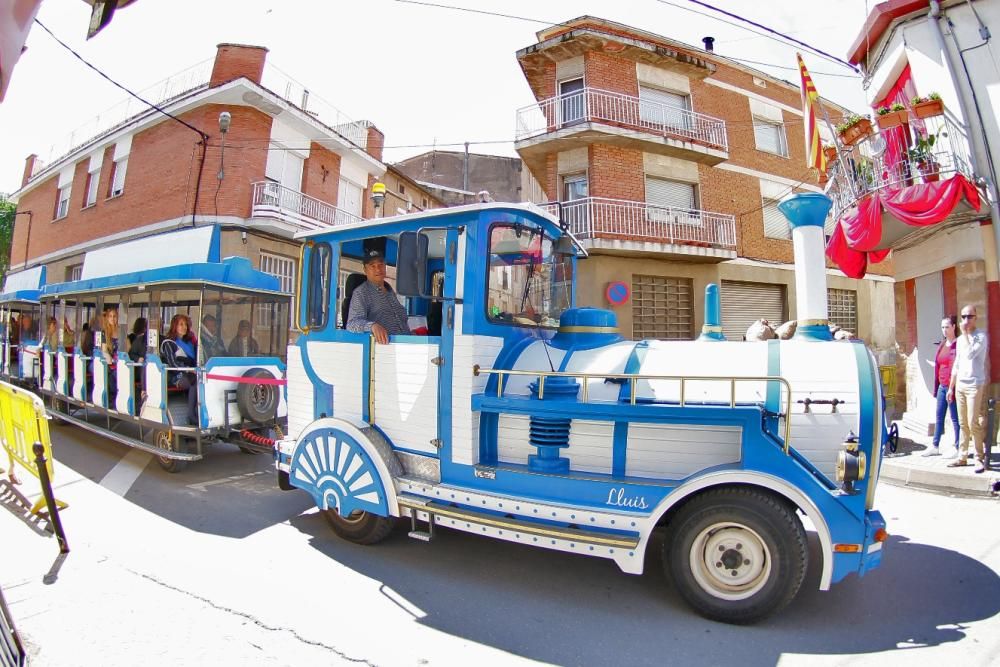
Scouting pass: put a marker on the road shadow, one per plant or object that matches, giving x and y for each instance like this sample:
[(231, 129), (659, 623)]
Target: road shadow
[(19, 506), (227, 493), (574, 610)]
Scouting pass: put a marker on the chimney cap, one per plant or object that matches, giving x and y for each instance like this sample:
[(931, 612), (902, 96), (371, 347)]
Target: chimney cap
[(709, 43), (241, 46)]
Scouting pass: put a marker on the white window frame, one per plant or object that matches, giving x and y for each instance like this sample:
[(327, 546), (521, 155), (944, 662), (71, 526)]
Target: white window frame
[(656, 112), (62, 201), (76, 273), (118, 171), (283, 268), (767, 204), (779, 128)]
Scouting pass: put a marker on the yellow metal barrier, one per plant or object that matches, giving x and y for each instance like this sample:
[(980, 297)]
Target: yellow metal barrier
[(23, 423), (888, 380)]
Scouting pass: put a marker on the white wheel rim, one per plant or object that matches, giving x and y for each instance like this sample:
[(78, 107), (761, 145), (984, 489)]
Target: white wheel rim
[(730, 561)]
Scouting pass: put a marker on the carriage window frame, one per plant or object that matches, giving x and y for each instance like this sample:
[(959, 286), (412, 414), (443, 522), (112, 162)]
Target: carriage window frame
[(316, 292)]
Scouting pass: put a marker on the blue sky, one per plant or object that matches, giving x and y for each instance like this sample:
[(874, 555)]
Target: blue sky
[(424, 75)]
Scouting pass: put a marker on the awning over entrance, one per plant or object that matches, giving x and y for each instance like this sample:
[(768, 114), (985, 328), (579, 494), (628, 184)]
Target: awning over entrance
[(885, 217)]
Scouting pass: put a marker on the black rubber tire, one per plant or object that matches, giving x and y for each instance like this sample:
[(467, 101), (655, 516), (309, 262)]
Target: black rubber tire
[(258, 402), (176, 443), (361, 528), (774, 558)]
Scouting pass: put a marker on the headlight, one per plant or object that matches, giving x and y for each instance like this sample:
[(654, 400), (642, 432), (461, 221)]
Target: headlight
[(851, 467)]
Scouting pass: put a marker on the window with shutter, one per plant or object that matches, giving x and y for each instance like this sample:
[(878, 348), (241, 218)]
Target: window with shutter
[(662, 308), (349, 197), (664, 108), (672, 201), (572, 101), (745, 303), (775, 223), (770, 137), (283, 268)]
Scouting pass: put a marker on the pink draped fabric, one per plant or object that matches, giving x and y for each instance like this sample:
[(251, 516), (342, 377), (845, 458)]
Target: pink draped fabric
[(897, 138), (852, 245)]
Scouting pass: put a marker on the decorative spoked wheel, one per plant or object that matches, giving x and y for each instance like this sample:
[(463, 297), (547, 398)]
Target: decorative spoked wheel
[(359, 526), (168, 442), (892, 442), (736, 555)]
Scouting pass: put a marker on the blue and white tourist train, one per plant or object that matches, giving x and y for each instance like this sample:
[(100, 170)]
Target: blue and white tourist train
[(94, 347), (519, 416)]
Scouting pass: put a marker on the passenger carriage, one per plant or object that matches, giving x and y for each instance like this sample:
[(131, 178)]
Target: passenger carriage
[(21, 330), (240, 390), (521, 417)]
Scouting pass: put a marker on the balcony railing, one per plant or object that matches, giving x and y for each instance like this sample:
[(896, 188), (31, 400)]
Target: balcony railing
[(896, 158), (190, 79), (625, 111), (597, 217), (273, 200)]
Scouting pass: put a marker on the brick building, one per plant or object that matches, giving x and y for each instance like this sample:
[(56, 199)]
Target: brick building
[(287, 162), (669, 161)]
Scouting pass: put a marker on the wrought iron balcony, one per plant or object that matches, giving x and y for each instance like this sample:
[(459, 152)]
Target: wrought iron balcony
[(921, 151), (591, 105), (597, 218), (275, 201)]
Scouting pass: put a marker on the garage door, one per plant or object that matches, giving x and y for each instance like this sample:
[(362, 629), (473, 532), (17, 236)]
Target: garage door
[(745, 303), (662, 307)]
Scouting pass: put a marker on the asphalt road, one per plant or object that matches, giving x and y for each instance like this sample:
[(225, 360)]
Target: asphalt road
[(215, 565)]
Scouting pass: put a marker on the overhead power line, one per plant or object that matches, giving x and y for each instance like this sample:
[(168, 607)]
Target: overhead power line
[(770, 32), (66, 46)]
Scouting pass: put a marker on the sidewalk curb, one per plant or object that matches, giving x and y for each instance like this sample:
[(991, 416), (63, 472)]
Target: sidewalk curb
[(964, 483)]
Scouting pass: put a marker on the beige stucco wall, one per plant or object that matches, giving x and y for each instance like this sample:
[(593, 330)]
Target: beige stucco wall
[(876, 316)]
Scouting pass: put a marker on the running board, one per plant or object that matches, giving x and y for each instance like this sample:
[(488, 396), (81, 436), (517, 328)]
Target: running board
[(125, 440), (435, 510)]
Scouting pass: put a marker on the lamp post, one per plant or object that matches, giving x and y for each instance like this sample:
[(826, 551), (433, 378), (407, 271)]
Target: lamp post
[(378, 197)]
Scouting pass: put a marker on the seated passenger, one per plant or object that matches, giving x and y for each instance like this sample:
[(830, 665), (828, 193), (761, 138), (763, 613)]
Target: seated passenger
[(243, 345), (29, 332), (137, 341), (374, 306), (51, 339), (179, 351), (211, 344), (69, 338), (109, 327)]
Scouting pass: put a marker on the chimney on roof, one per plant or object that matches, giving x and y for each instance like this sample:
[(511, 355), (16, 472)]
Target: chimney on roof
[(709, 43), (30, 164), (234, 61)]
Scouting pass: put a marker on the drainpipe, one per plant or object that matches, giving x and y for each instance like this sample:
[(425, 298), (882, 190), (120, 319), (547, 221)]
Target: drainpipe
[(972, 118)]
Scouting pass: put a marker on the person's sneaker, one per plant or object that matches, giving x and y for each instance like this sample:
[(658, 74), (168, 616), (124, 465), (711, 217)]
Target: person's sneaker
[(952, 454), (980, 467), (958, 463), (932, 451)]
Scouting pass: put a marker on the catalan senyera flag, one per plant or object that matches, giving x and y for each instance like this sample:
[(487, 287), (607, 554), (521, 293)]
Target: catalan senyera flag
[(810, 102)]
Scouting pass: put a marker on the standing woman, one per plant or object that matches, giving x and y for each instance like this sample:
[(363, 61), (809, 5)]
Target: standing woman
[(943, 362), (179, 350)]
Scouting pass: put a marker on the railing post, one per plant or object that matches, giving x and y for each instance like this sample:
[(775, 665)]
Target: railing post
[(50, 500)]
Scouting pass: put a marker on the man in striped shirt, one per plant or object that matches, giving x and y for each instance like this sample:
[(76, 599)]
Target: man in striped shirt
[(374, 306)]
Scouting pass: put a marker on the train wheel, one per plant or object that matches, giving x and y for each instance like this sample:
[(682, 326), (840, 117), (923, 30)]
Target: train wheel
[(167, 441), (360, 527), (736, 555)]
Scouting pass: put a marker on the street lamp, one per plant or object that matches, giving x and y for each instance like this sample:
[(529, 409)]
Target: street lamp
[(378, 197)]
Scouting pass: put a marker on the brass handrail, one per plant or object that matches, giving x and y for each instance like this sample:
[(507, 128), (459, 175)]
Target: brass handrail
[(633, 378)]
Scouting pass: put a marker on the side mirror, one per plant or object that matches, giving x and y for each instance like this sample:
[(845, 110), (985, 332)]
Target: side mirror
[(411, 264)]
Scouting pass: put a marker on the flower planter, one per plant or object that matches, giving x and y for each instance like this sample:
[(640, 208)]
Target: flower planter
[(892, 119), (928, 109), (857, 132), (831, 153), (929, 170)]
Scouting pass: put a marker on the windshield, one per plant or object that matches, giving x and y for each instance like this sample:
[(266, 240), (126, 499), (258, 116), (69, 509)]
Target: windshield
[(527, 284)]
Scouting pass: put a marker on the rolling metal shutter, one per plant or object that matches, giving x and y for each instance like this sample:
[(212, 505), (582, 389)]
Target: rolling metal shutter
[(670, 194), (662, 308), (745, 303)]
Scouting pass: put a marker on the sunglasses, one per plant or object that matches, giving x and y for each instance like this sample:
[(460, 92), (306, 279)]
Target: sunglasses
[(967, 317)]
